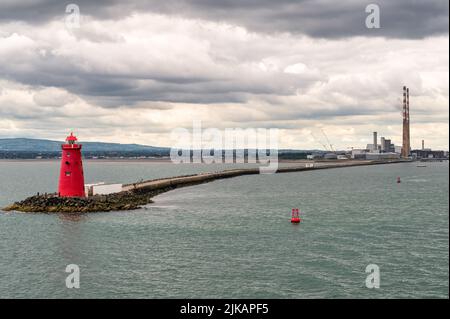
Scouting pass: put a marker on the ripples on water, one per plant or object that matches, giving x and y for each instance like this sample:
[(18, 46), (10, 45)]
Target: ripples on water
[(232, 238)]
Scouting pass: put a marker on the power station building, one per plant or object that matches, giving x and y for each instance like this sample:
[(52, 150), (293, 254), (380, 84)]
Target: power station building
[(386, 149), (386, 146), (428, 153), (383, 150)]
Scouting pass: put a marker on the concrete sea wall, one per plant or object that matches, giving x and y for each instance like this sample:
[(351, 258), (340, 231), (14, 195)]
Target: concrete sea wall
[(135, 195)]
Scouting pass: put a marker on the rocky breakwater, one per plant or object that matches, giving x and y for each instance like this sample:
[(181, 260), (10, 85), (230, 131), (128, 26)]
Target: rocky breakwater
[(136, 195), (97, 203)]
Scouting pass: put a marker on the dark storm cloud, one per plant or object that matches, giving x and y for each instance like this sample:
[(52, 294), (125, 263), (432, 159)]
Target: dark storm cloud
[(327, 19)]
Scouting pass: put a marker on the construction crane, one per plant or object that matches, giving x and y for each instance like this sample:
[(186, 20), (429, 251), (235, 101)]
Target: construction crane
[(318, 141), (326, 137)]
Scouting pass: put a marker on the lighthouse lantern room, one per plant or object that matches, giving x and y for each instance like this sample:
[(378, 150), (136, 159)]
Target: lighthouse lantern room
[(71, 178)]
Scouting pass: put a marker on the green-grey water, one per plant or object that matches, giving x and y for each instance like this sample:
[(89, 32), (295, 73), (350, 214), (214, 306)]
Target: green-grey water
[(233, 238)]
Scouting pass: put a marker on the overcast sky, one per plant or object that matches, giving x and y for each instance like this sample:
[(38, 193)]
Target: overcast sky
[(133, 72)]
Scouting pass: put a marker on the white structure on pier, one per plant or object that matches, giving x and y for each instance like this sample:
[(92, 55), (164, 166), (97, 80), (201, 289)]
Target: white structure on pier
[(102, 189)]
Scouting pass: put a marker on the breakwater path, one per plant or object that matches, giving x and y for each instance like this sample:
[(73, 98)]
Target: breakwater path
[(135, 195)]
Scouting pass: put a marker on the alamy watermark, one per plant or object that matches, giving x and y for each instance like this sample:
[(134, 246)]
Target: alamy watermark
[(373, 277), (72, 19), (73, 279), (373, 17), (231, 145)]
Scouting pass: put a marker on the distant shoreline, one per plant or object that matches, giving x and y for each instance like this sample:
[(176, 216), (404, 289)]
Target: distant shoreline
[(152, 160)]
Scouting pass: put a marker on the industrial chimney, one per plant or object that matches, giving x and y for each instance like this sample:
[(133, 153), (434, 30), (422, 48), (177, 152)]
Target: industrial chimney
[(423, 145), (375, 142), (406, 132)]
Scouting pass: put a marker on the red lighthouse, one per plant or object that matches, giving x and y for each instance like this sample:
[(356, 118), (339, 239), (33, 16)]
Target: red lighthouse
[(71, 178)]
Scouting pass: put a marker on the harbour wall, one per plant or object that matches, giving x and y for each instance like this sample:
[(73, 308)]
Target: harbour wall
[(135, 195)]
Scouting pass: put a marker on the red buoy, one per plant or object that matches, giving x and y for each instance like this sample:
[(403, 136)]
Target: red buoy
[(398, 180), (295, 219), (71, 178)]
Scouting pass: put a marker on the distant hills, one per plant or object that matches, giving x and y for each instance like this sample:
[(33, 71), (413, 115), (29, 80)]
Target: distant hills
[(32, 148), (28, 148)]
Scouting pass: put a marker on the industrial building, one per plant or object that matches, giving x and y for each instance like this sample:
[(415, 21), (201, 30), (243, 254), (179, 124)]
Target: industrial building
[(377, 151), (330, 156), (382, 156), (428, 153), (386, 149), (338, 155), (385, 146), (314, 156)]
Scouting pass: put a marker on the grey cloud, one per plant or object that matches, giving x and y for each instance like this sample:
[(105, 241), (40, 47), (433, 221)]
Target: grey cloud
[(112, 92), (111, 89), (324, 19), (241, 80)]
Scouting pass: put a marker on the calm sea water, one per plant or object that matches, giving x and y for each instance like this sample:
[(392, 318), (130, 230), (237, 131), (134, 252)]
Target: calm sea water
[(233, 238)]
